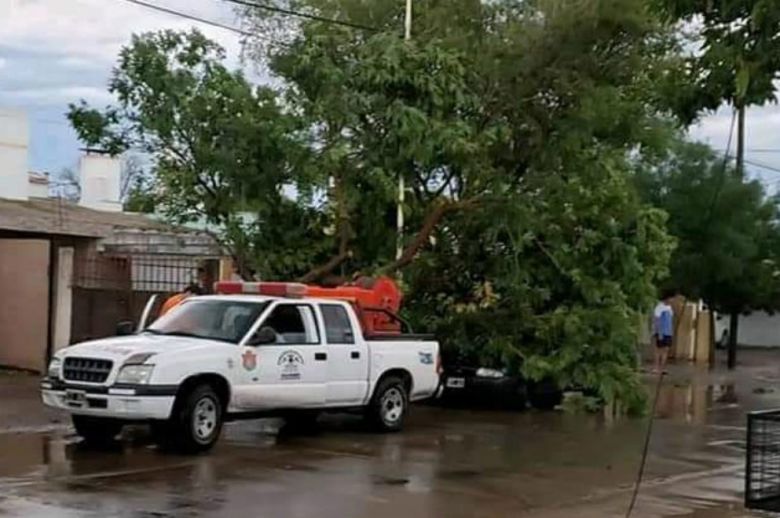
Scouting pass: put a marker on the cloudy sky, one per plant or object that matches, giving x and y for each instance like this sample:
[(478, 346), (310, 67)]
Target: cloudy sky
[(53, 52)]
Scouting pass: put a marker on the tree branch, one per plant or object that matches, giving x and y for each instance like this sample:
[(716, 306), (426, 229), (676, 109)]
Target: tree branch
[(321, 271), (429, 225)]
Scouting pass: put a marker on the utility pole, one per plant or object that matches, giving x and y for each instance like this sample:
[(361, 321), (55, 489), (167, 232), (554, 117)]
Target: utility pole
[(734, 316), (399, 251)]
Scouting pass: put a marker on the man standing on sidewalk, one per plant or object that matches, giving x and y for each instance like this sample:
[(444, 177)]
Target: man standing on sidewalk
[(663, 331)]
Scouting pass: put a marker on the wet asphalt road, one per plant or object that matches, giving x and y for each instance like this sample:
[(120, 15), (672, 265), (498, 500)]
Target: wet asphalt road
[(447, 463)]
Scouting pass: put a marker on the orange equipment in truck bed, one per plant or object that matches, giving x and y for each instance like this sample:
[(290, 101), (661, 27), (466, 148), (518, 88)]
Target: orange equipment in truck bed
[(376, 300)]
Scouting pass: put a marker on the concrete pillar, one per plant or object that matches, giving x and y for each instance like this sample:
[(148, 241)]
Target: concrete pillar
[(704, 337), (63, 297)]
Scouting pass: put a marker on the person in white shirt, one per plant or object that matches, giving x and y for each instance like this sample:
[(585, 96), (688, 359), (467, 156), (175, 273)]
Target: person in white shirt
[(663, 331)]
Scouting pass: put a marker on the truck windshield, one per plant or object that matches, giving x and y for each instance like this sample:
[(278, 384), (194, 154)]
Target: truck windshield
[(223, 320)]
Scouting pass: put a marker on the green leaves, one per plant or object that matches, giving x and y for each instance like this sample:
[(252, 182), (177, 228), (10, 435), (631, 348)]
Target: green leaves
[(725, 227), (223, 151), (739, 52)]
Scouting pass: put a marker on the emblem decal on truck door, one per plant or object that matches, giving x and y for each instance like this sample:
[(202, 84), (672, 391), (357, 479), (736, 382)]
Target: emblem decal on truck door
[(290, 361), (426, 358), (249, 359)]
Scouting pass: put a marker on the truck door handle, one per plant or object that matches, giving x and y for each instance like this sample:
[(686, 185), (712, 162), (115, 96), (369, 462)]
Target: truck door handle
[(354, 355), (320, 357)]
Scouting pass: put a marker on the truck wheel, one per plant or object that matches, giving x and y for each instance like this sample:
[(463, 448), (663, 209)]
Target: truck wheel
[(98, 431), (388, 406), (196, 422)]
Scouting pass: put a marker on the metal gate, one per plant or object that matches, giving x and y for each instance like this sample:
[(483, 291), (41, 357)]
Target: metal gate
[(109, 289), (762, 473)]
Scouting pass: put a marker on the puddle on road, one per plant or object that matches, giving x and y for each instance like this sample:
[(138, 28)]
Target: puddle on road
[(445, 463)]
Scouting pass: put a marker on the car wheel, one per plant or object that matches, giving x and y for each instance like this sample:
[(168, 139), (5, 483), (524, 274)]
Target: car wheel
[(196, 422), (544, 395), (518, 399), (389, 405), (96, 430)]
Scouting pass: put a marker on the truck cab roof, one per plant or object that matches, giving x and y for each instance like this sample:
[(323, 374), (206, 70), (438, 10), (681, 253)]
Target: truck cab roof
[(267, 298)]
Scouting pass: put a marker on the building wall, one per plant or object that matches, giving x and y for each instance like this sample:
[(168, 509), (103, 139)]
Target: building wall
[(24, 310), (100, 182), (758, 329), (38, 190), (14, 140)]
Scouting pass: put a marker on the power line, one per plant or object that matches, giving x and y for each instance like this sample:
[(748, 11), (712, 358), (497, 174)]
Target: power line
[(760, 150), (192, 17), (763, 166), (755, 164), (722, 178), (308, 16)]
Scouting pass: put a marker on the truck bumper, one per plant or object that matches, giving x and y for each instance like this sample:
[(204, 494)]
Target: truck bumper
[(125, 405)]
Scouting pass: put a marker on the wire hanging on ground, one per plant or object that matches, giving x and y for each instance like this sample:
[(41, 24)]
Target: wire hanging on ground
[(646, 448)]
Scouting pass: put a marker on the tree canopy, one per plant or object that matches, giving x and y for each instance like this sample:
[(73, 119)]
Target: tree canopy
[(737, 57), (726, 227), (516, 127)]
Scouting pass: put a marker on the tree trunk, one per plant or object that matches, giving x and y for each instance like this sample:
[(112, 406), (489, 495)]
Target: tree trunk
[(321, 271), (733, 329), (344, 230)]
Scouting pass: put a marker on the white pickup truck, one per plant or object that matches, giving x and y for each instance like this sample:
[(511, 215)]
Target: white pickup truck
[(222, 357)]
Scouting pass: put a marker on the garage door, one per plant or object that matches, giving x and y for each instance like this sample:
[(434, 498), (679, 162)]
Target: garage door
[(24, 303)]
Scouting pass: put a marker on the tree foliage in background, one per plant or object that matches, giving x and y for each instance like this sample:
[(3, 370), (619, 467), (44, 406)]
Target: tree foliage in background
[(223, 152), (726, 227)]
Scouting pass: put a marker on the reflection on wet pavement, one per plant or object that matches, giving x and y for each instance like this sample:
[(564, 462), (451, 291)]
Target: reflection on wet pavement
[(451, 463)]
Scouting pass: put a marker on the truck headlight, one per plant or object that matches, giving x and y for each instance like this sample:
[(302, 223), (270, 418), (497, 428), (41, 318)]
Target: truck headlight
[(55, 366), (484, 372), (135, 374)]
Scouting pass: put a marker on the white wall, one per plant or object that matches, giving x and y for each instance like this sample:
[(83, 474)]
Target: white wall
[(100, 182), (37, 190), (63, 297), (14, 141), (758, 329)]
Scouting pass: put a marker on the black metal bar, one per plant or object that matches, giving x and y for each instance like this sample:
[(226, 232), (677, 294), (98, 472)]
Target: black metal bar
[(762, 461)]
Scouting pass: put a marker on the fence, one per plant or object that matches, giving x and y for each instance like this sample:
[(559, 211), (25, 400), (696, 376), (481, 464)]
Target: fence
[(762, 473), (108, 289)]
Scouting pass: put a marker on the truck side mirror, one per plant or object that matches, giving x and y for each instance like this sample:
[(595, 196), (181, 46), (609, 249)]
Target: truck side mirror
[(263, 336), (125, 328)]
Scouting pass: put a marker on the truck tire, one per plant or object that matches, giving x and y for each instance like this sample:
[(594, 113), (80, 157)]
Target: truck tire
[(195, 424), (389, 405), (98, 431)]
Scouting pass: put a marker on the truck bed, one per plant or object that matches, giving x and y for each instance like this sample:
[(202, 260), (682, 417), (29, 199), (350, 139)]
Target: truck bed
[(399, 337)]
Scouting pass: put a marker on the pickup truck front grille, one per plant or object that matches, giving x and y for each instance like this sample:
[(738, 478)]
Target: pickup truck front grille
[(91, 370)]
